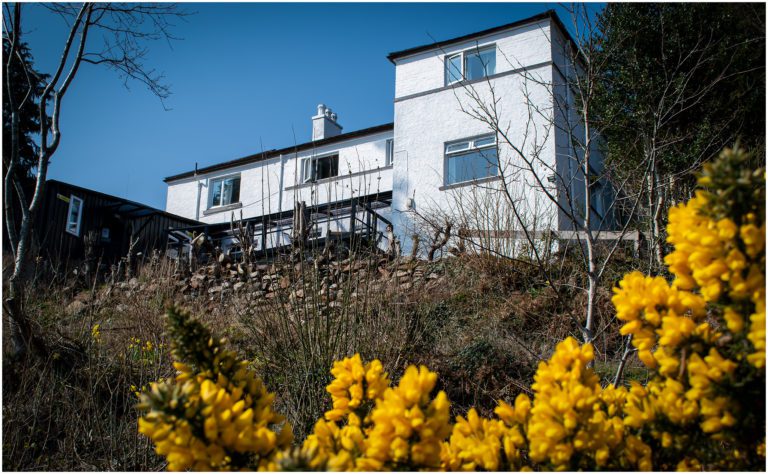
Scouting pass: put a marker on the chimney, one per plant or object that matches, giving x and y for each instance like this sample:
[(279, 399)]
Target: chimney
[(324, 124)]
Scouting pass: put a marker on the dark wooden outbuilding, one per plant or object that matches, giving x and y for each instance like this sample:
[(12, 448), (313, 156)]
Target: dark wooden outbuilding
[(72, 214)]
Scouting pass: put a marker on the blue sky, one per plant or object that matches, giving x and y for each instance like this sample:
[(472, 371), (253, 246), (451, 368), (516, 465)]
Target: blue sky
[(245, 77)]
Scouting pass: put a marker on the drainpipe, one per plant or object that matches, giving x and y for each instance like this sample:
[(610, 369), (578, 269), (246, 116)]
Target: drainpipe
[(199, 193), (280, 194)]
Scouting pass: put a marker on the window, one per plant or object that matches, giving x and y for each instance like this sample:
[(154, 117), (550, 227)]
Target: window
[(453, 68), (313, 169), (390, 153), (472, 159), (74, 215), (479, 63), (470, 64), (225, 191)]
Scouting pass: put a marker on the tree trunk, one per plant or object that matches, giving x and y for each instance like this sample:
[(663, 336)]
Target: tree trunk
[(20, 333), (657, 224), (22, 336), (623, 363), (652, 236)]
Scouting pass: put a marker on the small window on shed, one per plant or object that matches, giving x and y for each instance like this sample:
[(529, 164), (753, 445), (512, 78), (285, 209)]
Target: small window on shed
[(74, 215)]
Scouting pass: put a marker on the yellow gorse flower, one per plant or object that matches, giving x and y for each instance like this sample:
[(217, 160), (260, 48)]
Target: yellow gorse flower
[(572, 416), (408, 424), (354, 384), (475, 444), (373, 426)]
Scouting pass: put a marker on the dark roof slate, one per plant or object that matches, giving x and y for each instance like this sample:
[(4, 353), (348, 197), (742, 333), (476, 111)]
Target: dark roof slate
[(440, 44), (291, 149)]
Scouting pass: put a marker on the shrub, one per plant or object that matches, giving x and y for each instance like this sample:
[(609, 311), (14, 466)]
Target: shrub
[(702, 338)]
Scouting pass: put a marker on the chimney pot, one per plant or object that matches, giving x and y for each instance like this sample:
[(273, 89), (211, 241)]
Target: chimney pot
[(324, 124)]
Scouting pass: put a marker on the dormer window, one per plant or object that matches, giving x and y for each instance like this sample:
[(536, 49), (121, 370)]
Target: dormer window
[(225, 191), (470, 64)]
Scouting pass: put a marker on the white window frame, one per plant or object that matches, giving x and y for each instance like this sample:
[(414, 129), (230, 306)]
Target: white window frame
[(72, 200), (222, 179), (309, 168), (463, 62), (465, 146), (447, 66), (390, 152)]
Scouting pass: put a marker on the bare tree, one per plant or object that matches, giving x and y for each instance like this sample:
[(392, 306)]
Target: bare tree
[(569, 184), (121, 31)]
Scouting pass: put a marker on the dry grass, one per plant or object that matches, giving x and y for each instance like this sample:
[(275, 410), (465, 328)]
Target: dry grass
[(484, 329)]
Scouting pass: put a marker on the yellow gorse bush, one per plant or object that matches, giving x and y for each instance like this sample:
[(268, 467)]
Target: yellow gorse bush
[(702, 338), (216, 414), (704, 334)]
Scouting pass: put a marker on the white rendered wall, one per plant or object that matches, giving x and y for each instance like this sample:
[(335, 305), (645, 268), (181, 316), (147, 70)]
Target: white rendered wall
[(259, 193), (426, 121), (362, 171), (518, 47)]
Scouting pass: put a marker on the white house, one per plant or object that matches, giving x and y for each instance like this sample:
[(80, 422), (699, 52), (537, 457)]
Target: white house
[(481, 135)]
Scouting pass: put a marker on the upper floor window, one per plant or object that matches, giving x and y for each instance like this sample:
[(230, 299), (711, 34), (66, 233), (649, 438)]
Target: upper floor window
[(470, 64), (74, 215), (390, 158), (313, 169), (471, 159), (225, 191)]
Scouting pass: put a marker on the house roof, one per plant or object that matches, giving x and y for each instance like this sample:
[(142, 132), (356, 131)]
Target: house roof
[(441, 44), (291, 149), (124, 207)]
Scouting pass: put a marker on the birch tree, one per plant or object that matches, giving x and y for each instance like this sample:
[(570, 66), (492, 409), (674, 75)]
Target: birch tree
[(107, 34)]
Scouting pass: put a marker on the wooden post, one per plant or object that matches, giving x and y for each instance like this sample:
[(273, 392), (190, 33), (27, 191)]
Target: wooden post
[(375, 228), (352, 217), (264, 236), (368, 224)]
